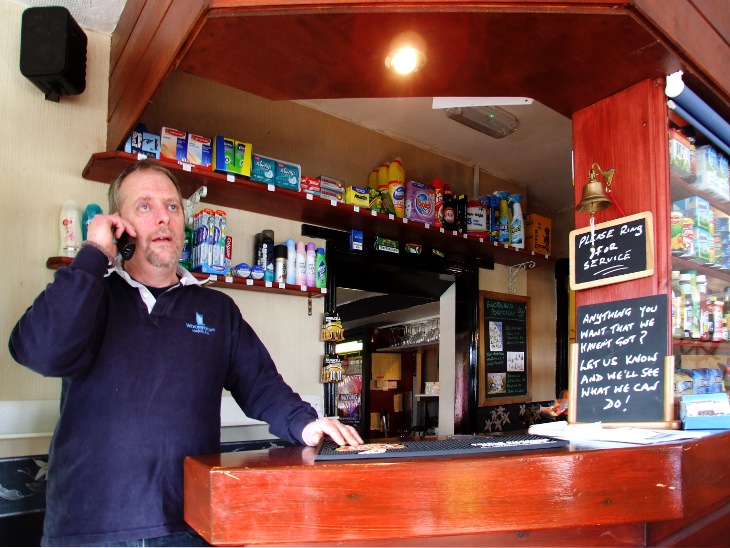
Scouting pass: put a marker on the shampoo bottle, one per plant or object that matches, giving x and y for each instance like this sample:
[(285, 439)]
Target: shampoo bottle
[(301, 265), (311, 265), (321, 269), (517, 227)]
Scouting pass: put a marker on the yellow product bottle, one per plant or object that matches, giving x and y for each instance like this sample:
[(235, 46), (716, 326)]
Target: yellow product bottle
[(373, 179), (397, 186), (383, 177)]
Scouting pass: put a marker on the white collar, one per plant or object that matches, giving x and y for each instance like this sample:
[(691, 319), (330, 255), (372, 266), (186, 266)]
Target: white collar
[(185, 278)]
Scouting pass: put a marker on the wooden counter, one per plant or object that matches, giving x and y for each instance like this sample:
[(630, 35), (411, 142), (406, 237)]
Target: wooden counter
[(669, 494)]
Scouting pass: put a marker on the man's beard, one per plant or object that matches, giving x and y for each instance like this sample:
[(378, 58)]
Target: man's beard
[(159, 261)]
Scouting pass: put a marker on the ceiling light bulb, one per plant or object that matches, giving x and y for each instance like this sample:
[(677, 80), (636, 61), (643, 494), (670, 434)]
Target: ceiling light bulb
[(405, 60)]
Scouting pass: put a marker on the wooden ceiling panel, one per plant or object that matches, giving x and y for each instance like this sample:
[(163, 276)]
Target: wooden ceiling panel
[(566, 61)]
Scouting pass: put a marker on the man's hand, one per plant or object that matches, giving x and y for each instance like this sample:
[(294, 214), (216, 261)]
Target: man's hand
[(103, 228), (341, 434)]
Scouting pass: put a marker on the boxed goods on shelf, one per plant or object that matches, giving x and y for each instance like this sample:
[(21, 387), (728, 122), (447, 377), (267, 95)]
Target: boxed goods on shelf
[(263, 169), (287, 175), (420, 202), (679, 153), (537, 231)]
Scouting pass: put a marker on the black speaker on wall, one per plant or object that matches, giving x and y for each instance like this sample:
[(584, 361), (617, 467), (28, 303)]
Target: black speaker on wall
[(53, 51)]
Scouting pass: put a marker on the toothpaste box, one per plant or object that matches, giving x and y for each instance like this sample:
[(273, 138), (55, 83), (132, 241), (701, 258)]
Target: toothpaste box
[(287, 175), (199, 151), (224, 154), (263, 169), (310, 185), (173, 145), (243, 158), (357, 196), (331, 188)]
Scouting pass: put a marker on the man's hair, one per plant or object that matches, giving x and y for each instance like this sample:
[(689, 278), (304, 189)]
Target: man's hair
[(143, 165)]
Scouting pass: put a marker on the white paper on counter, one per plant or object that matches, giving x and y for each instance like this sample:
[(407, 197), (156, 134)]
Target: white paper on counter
[(596, 432)]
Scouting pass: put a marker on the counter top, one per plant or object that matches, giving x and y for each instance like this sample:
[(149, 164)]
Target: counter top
[(574, 494)]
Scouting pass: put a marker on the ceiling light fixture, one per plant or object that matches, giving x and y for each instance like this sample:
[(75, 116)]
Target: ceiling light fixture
[(405, 60), (492, 121)]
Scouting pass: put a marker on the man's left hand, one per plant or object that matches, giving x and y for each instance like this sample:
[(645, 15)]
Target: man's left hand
[(341, 434)]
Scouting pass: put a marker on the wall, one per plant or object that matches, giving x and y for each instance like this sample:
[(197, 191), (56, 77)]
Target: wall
[(46, 147)]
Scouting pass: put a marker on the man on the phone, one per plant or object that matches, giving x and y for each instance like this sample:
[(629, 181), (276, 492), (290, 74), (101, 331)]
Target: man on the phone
[(144, 352)]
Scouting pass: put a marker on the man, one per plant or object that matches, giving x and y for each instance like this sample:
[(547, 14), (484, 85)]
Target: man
[(145, 352)]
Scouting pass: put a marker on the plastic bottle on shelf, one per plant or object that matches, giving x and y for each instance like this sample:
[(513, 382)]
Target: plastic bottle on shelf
[(311, 265), (301, 265), (396, 186), (504, 216), (685, 281), (726, 315), (696, 311), (280, 255), (321, 269), (266, 254), (438, 192), (517, 225), (70, 229), (291, 261), (91, 211), (678, 300), (705, 314), (716, 312)]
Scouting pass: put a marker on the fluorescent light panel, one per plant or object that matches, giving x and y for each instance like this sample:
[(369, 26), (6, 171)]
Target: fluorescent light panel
[(492, 121)]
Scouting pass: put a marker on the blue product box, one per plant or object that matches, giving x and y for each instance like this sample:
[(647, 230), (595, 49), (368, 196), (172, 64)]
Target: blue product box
[(356, 240), (142, 142), (706, 412), (722, 223), (224, 154), (287, 175), (263, 169)]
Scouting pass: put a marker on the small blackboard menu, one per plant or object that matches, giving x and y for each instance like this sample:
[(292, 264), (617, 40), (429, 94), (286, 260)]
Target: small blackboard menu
[(615, 251), (504, 359), (618, 373)]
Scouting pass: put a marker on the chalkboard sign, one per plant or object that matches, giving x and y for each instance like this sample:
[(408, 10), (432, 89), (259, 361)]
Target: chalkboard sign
[(504, 358), (617, 251), (619, 373)]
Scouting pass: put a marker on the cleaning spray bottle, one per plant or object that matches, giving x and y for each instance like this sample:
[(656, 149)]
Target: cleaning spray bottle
[(504, 216), (517, 227), (396, 186)]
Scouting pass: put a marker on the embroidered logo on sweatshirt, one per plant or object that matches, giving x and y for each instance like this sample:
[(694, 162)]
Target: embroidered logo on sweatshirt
[(199, 326)]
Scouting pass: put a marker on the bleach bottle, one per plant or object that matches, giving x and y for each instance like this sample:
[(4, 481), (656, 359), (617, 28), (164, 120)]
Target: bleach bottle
[(517, 227), (504, 220)]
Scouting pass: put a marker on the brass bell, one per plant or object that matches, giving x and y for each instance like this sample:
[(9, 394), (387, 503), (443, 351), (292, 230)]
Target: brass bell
[(594, 198)]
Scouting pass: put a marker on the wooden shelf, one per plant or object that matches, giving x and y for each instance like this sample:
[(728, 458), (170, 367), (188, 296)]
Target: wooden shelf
[(686, 346), (406, 347), (681, 189), (54, 263), (241, 193)]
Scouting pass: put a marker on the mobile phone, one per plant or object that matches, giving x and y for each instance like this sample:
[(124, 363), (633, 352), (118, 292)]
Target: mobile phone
[(126, 246)]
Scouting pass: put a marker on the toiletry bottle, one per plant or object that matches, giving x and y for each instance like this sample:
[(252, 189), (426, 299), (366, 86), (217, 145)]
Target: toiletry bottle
[(301, 264), (291, 261), (517, 228), (321, 266), (311, 265), (685, 285), (91, 211), (267, 254), (280, 253), (70, 229), (677, 307), (705, 322), (696, 310)]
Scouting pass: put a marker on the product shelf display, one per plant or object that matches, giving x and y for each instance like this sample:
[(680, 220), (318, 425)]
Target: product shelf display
[(228, 282), (700, 263), (228, 190)]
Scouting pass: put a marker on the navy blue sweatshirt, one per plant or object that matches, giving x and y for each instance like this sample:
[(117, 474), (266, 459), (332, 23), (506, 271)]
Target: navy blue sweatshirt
[(142, 388)]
